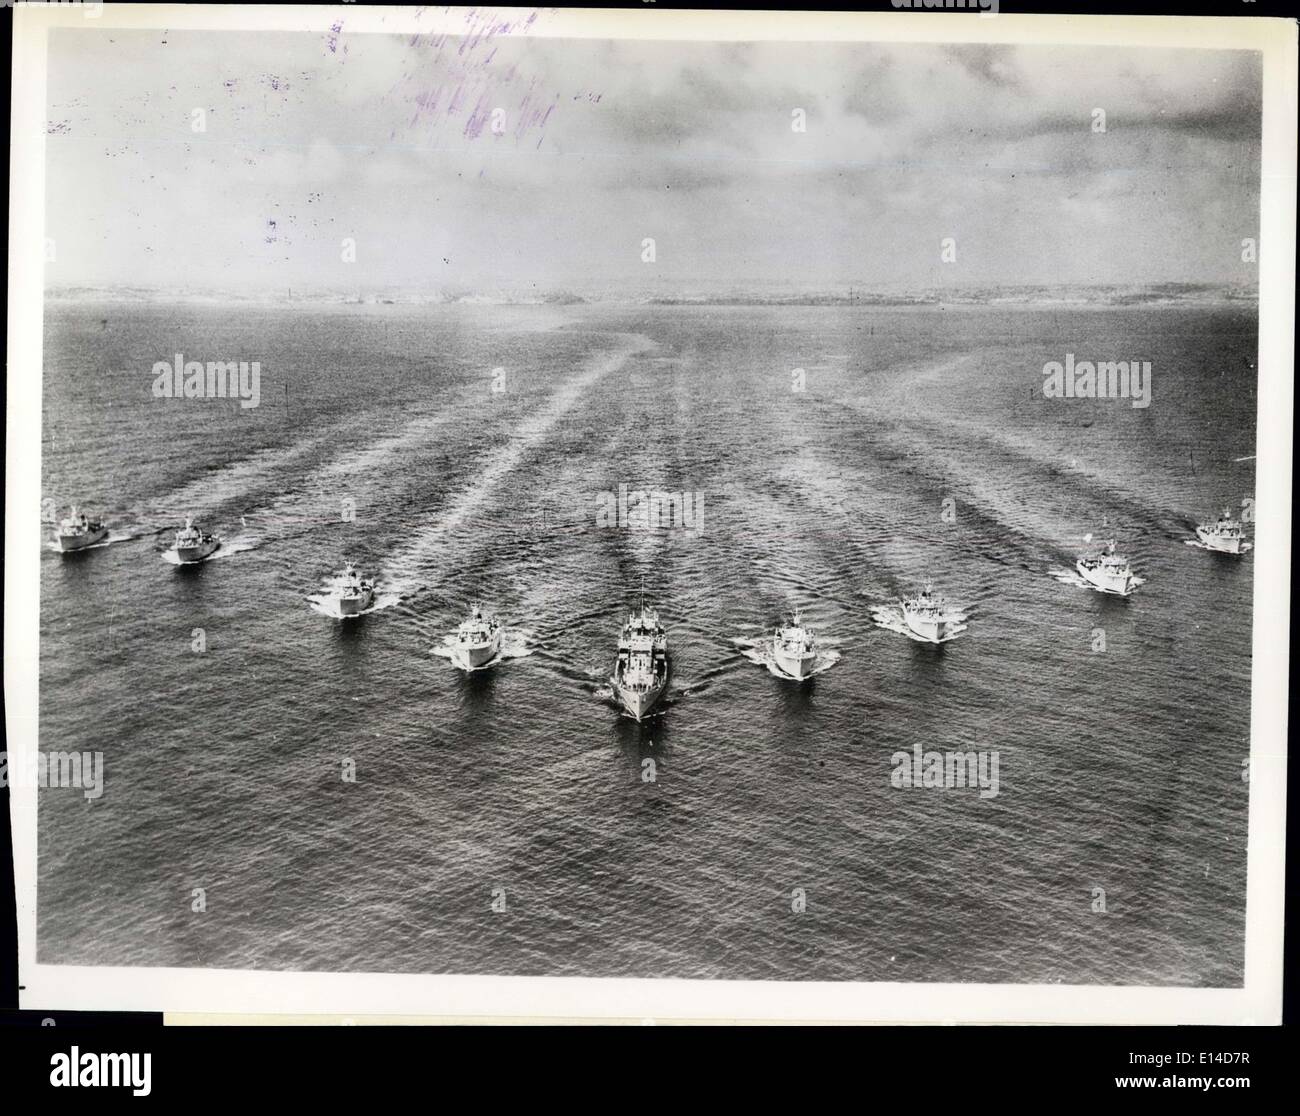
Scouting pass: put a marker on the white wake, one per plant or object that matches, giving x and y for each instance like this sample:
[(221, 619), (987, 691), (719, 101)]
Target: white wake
[(406, 569)]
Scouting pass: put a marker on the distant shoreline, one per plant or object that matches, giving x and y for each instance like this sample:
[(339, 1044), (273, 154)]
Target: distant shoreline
[(1171, 295)]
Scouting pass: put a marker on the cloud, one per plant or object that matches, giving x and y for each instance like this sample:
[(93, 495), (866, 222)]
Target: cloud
[(993, 64), (607, 142)]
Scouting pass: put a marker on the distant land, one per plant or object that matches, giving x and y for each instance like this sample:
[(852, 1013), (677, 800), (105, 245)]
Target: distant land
[(1028, 296)]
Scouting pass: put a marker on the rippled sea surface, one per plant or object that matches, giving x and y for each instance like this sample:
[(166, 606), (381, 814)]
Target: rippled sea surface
[(1119, 769)]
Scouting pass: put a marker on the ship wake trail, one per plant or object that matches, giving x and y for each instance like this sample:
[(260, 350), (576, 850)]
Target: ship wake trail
[(406, 570), (204, 495), (357, 472)]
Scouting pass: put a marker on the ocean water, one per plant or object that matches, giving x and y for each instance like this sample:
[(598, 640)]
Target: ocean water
[(1119, 770)]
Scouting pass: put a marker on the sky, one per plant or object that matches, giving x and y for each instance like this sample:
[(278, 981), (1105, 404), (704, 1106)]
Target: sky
[(310, 140)]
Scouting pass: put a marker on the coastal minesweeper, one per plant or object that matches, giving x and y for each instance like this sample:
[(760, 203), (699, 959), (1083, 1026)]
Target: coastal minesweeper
[(1107, 571), (353, 594), (477, 640), (928, 615), (794, 648), (1224, 535), (193, 545), (641, 671), (77, 532)]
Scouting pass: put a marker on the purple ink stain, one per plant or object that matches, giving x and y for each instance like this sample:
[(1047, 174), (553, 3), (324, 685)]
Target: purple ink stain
[(472, 80)]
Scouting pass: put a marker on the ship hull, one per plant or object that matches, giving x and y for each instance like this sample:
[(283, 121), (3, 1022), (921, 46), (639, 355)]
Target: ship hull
[(639, 703), (69, 543), (189, 555), (354, 606), (474, 656), (796, 666), (933, 630), (1106, 583), (1218, 542)]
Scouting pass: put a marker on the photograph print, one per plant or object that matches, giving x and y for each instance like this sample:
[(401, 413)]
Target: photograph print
[(524, 498)]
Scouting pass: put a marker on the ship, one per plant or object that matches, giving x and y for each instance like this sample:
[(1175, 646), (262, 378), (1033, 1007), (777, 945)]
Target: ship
[(354, 594), (477, 640), (1224, 535), (193, 545), (78, 532), (642, 668), (794, 648), (1107, 571), (928, 615)]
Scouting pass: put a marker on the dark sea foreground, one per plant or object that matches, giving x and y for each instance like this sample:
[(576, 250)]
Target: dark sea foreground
[(1119, 769)]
